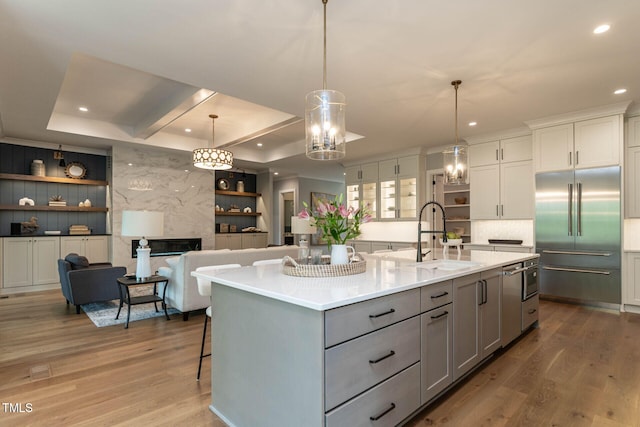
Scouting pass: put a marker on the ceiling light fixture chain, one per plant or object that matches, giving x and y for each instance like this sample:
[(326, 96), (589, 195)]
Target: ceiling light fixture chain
[(455, 158), (324, 48), (212, 158), (325, 128)]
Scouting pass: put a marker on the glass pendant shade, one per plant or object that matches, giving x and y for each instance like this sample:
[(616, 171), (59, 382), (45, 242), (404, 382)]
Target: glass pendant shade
[(212, 158), (455, 165), (325, 125)]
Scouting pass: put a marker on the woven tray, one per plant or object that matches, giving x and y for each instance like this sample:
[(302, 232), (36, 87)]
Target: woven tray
[(291, 267)]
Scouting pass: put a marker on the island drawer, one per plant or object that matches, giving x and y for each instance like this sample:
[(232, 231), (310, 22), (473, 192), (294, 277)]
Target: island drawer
[(436, 295), (351, 321), (357, 365), (388, 403)]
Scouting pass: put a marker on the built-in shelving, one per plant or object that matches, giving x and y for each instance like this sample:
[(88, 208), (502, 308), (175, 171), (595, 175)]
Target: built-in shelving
[(51, 208), (19, 177), (237, 193), (238, 213)]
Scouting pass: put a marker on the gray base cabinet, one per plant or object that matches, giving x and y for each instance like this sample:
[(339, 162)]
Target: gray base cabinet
[(375, 362), (477, 323), (466, 347)]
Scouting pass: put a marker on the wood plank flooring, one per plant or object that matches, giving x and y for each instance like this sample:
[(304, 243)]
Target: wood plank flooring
[(580, 368)]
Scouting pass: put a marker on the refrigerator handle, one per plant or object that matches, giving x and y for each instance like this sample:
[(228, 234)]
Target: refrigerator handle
[(570, 210), (579, 207)]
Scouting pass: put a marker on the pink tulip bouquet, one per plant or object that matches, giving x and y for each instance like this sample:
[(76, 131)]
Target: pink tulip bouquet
[(337, 222)]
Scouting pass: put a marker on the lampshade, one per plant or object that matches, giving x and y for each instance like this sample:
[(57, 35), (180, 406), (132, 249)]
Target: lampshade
[(142, 223), (302, 226), (324, 117), (212, 158)]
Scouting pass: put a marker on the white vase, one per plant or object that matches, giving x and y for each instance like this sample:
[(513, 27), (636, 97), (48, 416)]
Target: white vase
[(340, 254)]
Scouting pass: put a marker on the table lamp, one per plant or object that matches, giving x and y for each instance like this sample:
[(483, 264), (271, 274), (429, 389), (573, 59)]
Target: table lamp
[(302, 227), (145, 224)]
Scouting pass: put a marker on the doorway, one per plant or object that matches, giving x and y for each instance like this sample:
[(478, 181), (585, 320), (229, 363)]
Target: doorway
[(287, 208)]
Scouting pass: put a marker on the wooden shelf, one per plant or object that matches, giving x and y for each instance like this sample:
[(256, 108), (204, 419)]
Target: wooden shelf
[(51, 208), (238, 214), (237, 193), (18, 177)]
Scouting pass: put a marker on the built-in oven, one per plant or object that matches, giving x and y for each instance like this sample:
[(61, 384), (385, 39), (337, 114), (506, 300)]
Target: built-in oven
[(530, 279)]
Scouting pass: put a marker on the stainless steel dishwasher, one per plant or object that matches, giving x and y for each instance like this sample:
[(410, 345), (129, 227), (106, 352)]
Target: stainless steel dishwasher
[(512, 285)]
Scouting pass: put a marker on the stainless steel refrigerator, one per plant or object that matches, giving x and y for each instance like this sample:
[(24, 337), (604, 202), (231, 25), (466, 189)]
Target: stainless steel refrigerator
[(578, 229)]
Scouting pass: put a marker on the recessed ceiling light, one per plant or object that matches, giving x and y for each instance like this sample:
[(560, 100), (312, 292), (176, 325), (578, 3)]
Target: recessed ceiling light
[(83, 109), (619, 91), (601, 29), (275, 173), (187, 130), (259, 144), (130, 164), (473, 123)]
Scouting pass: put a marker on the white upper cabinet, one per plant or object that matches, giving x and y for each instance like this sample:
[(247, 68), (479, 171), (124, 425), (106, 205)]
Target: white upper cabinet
[(500, 151), (582, 144), (501, 179), (632, 169), (598, 142)]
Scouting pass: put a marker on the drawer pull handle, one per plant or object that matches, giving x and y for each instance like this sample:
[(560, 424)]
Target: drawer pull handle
[(391, 353), (375, 316), (439, 295), (440, 315), (386, 411), (532, 310)]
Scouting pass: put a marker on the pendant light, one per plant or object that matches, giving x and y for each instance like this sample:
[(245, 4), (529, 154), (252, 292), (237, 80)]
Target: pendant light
[(455, 158), (325, 116), (212, 158)]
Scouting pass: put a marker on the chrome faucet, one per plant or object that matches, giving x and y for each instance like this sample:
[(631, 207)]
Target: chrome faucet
[(421, 232)]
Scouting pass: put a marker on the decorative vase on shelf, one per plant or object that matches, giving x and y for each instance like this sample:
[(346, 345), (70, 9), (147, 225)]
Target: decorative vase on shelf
[(340, 254)]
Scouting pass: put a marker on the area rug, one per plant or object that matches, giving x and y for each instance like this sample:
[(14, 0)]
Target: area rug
[(104, 313)]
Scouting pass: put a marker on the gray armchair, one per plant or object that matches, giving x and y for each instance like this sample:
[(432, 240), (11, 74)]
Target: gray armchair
[(84, 283)]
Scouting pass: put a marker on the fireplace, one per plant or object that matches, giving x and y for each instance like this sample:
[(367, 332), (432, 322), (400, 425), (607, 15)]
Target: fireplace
[(164, 247)]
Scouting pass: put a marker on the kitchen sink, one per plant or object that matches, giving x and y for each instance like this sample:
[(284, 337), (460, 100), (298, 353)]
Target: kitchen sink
[(447, 264)]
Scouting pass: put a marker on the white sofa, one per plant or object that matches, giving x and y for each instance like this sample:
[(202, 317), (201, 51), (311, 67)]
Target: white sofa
[(182, 292)]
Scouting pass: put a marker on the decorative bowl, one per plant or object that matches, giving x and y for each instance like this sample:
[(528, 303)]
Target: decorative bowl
[(460, 200)]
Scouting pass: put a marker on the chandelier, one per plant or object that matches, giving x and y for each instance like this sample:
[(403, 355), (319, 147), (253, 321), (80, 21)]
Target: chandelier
[(455, 158), (212, 158), (325, 116)]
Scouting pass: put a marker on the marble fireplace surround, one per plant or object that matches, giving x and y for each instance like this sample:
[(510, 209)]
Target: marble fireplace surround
[(160, 180)]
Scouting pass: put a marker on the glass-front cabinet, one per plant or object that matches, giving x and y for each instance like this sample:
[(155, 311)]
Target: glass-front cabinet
[(362, 186), (398, 188)]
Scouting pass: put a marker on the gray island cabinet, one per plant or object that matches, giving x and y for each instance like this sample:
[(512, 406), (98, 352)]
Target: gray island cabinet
[(366, 349)]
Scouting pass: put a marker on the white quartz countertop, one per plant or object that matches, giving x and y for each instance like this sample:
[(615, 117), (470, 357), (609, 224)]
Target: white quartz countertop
[(386, 274)]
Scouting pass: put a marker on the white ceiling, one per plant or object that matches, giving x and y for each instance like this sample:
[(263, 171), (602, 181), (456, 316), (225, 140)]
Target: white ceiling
[(145, 69)]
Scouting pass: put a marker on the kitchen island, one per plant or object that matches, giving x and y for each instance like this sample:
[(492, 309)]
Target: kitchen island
[(377, 346)]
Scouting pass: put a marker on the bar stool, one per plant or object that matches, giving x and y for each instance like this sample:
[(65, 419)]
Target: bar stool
[(204, 288)]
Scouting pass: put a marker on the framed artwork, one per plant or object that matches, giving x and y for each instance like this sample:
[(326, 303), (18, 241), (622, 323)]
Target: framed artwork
[(316, 239)]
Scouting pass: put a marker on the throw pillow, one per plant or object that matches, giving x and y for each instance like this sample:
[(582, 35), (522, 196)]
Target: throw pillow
[(77, 261)]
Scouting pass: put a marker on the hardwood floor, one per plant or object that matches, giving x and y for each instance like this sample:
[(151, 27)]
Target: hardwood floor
[(580, 368)]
